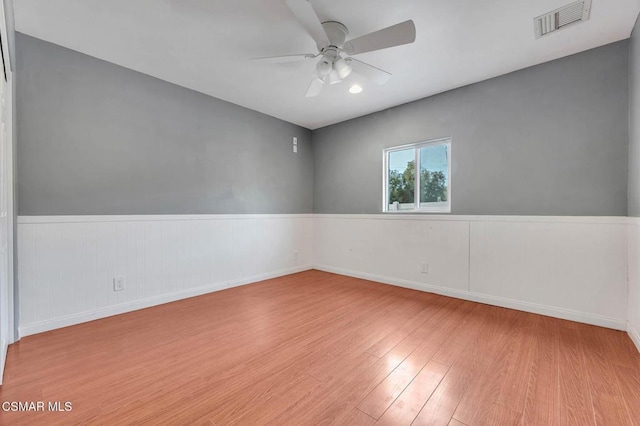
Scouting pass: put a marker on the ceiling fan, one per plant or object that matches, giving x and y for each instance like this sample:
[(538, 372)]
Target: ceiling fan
[(335, 51)]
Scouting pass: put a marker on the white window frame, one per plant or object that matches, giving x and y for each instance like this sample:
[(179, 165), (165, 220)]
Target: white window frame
[(385, 177)]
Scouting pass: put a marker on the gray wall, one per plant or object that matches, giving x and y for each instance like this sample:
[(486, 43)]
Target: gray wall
[(634, 122), (96, 138), (547, 140)]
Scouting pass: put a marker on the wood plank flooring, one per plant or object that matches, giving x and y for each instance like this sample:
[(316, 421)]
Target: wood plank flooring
[(318, 348)]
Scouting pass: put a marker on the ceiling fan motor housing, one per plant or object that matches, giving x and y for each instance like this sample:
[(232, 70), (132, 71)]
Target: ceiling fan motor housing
[(336, 33)]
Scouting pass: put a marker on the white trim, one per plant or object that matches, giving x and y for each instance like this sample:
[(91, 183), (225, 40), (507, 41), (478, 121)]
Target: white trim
[(7, 332), (436, 141), (634, 335), (155, 217), (4, 347), (11, 217), (551, 311), (108, 311), (612, 220)]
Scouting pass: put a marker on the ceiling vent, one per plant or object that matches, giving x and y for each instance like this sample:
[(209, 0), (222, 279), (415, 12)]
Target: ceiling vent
[(570, 14)]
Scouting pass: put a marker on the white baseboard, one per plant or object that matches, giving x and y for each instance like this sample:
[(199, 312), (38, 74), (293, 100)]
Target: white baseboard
[(551, 311), (40, 327), (634, 335)]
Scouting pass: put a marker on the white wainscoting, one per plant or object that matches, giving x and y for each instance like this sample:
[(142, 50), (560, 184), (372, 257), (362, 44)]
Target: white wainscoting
[(567, 267), (633, 327), (67, 263)]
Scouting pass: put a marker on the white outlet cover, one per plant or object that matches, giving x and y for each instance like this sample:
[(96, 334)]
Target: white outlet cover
[(118, 284)]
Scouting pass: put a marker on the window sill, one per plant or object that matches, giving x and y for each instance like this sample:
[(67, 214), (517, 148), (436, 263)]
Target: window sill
[(421, 211)]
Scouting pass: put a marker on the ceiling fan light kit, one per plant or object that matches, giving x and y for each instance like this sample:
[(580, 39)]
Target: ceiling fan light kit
[(324, 67), (342, 67), (333, 47)]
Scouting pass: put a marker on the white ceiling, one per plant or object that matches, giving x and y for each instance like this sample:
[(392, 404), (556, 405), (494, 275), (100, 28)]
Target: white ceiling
[(205, 45)]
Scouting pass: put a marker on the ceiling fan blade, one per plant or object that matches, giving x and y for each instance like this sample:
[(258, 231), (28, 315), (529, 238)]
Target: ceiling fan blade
[(369, 71), (285, 58), (315, 87), (395, 35), (303, 10)]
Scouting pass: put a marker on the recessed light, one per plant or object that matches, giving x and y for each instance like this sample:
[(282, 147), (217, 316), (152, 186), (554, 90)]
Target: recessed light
[(355, 89)]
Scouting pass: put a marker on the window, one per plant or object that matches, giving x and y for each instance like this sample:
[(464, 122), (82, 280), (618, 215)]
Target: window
[(417, 177)]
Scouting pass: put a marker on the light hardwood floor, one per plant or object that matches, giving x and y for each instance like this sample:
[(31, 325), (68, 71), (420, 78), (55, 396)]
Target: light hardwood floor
[(318, 348)]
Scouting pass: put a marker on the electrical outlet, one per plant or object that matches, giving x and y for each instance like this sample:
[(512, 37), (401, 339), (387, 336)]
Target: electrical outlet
[(295, 255), (118, 284), (424, 267)]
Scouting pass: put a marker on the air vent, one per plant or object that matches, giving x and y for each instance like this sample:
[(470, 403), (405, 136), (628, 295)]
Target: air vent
[(570, 14)]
